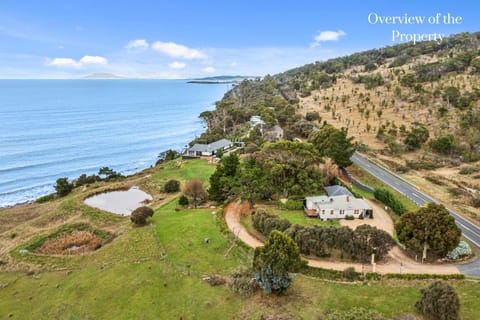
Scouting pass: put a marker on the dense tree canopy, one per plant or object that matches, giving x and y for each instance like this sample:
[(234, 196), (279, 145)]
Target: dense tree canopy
[(253, 181), (223, 180), (292, 167), (334, 144), (430, 228)]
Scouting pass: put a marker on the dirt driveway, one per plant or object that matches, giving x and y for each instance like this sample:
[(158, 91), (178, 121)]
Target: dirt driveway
[(396, 261)]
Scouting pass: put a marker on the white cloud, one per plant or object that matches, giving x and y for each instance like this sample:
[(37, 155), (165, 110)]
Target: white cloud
[(93, 60), (71, 63), (177, 65), (137, 44), (64, 62), (209, 69), (327, 36), (176, 50)]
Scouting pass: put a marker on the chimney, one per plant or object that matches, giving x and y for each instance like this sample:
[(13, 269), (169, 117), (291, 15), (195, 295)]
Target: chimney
[(348, 198)]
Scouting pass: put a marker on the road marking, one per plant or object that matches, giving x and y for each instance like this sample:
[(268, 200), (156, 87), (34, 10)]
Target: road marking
[(468, 238)]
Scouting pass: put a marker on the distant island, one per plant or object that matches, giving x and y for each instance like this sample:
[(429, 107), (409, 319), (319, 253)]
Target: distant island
[(103, 76), (221, 79)]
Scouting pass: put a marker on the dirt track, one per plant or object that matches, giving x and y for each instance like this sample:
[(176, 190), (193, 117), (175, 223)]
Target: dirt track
[(396, 262)]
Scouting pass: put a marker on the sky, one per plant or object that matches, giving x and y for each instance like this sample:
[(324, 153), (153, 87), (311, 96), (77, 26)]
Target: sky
[(188, 39)]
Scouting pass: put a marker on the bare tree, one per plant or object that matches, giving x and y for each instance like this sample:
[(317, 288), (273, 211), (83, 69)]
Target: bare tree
[(195, 190)]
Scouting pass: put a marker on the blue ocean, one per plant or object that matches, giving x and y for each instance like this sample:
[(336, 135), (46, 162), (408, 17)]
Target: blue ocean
[(63, 128)]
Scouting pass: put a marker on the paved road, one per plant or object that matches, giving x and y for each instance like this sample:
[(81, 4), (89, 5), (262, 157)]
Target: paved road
[(470, 231)]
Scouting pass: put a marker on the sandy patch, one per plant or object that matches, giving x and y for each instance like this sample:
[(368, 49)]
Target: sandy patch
[(381, 219), (119, 202)]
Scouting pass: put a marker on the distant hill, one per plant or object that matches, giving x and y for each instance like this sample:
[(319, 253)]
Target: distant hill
[(221, 79), (103, 76)]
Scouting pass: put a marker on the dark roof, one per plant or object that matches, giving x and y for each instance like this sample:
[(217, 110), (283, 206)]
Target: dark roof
[(337, 191), (211, 147)]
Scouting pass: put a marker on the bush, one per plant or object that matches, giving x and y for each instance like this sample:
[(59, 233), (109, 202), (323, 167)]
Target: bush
[(183, 201), (462, 250), (63, 187), (439, 301), (266, 222), (312, 116), (349, 217), (84, 179), (469, 170), (139, 216), (243, 282), (350, 274), (475, 202), (389, 200), (172, 186), (147, 211), (290, 204), (46, 198)]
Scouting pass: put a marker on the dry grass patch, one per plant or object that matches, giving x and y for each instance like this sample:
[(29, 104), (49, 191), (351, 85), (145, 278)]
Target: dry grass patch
[(77, 242)]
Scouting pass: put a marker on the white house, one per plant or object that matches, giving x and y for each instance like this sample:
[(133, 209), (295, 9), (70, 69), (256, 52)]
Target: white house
[(207, 150), (338, 204), (256, 121)]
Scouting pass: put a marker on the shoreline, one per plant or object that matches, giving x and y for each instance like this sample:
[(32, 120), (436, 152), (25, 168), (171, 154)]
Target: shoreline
[(132, 171)]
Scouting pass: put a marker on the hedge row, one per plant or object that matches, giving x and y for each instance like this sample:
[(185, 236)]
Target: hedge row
[(389, 200)]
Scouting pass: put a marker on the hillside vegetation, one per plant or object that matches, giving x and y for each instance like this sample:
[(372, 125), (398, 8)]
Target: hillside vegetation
[(416, 108)]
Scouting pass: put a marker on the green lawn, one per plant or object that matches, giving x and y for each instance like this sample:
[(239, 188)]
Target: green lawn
[(297, 217), (182, 234), (155, 272), (141, 276), (184, 170)]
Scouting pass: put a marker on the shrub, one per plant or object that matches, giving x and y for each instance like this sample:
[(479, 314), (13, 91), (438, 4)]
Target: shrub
[(290, 204), (139, 216), (475, 202), (84, 179), (350, 274), (147, 211), (389, 199), (439, 301), (172, 186), (462, 250), (63, 187), (312, 116), (243, 282), (469, 170), (195, 190), (183, 201), (349, 217), (46, 198), (266, 222)]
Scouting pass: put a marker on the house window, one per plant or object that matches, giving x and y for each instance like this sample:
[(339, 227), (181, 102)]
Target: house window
[(323, 211), (355, 212), (331, 211), (342, 211)]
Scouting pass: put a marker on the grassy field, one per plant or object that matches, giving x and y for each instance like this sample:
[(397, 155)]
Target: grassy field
[(155, 272), (297, 217)]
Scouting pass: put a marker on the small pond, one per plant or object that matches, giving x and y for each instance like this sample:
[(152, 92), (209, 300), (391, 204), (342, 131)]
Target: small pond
[(119, 202)]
